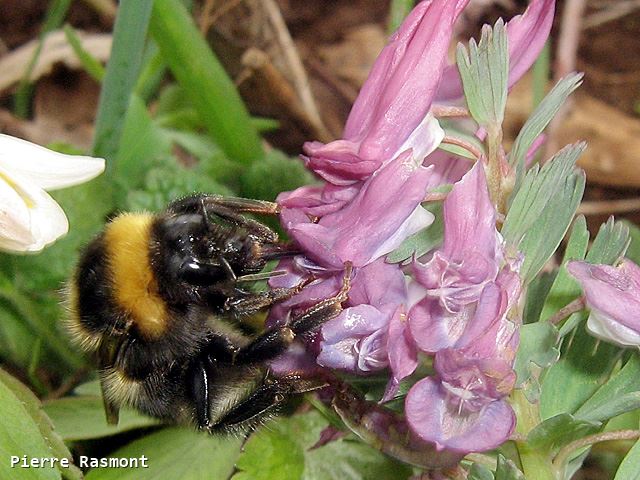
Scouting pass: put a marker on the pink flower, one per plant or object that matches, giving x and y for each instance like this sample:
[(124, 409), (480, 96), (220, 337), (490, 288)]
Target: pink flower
[(376, 182), (357, 339), (613, 295), (456, 274), (463, 408)]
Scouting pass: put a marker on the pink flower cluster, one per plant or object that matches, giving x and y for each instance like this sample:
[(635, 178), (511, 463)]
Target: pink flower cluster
[(458, 305)]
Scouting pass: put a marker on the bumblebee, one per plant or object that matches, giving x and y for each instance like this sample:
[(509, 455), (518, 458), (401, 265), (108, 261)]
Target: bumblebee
[(157, 300)]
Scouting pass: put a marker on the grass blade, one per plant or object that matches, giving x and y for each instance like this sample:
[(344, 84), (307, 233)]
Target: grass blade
[(206, 83), (129, 35)]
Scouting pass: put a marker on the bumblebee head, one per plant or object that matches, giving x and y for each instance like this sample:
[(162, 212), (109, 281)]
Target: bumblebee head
[(201, 251)]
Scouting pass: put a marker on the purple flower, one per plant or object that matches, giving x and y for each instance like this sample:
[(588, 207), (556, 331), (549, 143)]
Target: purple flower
[(613, 295), (375, 178), (463, 408), (456, 274), (357, 340)]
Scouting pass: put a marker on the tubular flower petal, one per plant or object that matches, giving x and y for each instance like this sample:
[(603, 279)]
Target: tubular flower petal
[(29, 218), (375, 178), (613, 295)]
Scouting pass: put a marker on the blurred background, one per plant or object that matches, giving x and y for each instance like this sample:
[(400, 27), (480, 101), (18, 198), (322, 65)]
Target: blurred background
[(298, 67)]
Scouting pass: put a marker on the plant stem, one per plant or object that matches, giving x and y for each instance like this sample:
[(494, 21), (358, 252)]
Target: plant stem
[(565, 453), (569, 309), (535, 463)]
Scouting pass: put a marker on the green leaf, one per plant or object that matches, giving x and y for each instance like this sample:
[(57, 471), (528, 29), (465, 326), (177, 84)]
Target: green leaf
[(129, 34), (270, 454), (53, 440), (538, 346), (166, 183), (82, 417), (539, 187), (507, 470), (175, 453), (539, 120), (20, 435), (619, 395), (479, 472), (633, 252), (421, 242), (584, 366), (560, 430), (629, 469), (585, 362), (397, 13), (141, 145), (343, 458), (484, 70), (92, 66), (565, 288), (546, 233), (610, 244), (538, 289), (205, 82)]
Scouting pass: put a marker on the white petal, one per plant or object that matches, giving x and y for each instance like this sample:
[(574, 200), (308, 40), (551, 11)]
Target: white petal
[(608, 329), (419, 219), (424, 139), (38, 219), (15, 221), (45, 168)]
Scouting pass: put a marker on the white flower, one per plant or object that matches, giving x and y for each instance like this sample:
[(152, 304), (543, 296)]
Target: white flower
[(29, 218)]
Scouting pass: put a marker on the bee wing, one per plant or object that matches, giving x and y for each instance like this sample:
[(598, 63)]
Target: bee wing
[(106, 359)]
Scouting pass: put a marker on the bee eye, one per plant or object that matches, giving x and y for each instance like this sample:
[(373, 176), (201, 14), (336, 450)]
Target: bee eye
[(201, 274)]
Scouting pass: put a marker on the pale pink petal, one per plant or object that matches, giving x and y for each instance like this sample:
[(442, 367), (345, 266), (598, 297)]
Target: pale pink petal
[(398, 93), (435, 420), (381, 208)]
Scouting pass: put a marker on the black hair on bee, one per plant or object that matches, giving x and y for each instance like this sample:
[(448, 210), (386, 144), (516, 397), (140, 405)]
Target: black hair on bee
[(156, 298)]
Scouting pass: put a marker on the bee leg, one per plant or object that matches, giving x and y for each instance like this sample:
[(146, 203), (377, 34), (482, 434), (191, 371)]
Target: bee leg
[(275, 341), (252, 302), (199, 378), (265, 400), (230, 209)]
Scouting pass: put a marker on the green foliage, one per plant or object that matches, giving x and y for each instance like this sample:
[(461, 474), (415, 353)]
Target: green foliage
[(92, 66), (565, 288), (175, 453), (537, 346), (543, 208), (26, 430), (484, 70), (507, 470), (630, 467), (129, 34), (204, 81), (82, 417), (585, 362), (539, 119), (284, 451)]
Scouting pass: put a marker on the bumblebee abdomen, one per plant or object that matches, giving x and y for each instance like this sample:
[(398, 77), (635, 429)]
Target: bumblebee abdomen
[(127, 241), (114, 288)]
